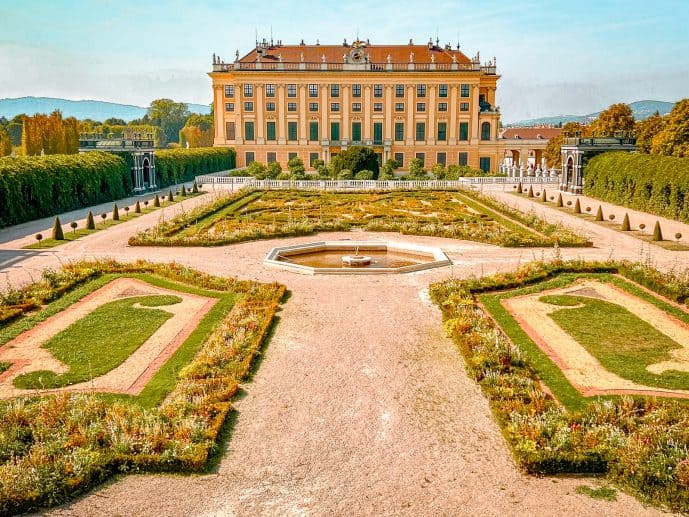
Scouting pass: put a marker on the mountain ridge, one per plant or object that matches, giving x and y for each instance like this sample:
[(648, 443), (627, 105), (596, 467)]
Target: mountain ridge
[(81, 109)]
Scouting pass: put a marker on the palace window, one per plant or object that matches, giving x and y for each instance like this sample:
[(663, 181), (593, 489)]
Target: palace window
[(291, 155), (312, 158), (270, 90), (399, 90), (463, 159), (313, 106), (334, 106), (464, 90), (399, 131), (248, 106), (248, 131), (420, 131), (248, 90), (249, 157), (335, 131), (485, 131), (464, 131), (420, 107), (291, 90), (313, 90), (334, 90), (420, 90), (377, 90), (356, 106), (229, 90), (399, 158), (484, 163), (356, 90), (271, 157), (442, 131), (270, 106), (229, 131), (313, 131), (356, 131), (463, 106), (291, 130), (270, 130), (399, 106), (442, 106), (377, 106), (442, 90), (229, 106), (422, 157), (441, 158), (291, 106), (377, 133)]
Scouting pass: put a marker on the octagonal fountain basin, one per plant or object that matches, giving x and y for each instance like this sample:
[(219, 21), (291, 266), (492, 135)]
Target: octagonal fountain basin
[(355, 257)]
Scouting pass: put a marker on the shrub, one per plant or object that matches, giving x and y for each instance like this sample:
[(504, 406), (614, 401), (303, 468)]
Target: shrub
[(58, 235), (179, 165), (115, 213), (356, 158), (195, 189), (543, 196), (530, 192), (90, 223), (625, 223), (170, 197), (184, 191), (599, 213), (156, 201), (657, 233), (364, 175), (137, 208), (577, 207), (559, 201), (345, 174)]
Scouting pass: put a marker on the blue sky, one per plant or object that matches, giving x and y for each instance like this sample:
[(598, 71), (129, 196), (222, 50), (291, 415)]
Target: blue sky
[(555, 56)]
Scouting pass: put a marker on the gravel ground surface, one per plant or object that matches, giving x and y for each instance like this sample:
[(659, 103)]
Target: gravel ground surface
[(360, 405)]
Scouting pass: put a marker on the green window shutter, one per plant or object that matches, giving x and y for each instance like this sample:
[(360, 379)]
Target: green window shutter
[(484, 163), (464, 131), (270, 131), (291, 131), (420, 131), (313, 131), (399, 131), (335, 131), (248, 130), (377, 132), (356, 131), (485, 131), (442, 131)]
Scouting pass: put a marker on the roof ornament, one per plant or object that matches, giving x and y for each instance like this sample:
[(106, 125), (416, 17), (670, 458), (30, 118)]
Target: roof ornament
[(454, 58), (301, 57), (411, 42), (344, 58), (302, 43), (411, 57), (214, 58), (432, 58), (344, 43), (280, 58), (318, 42), (236, 55), (388, 59), (323, 58)]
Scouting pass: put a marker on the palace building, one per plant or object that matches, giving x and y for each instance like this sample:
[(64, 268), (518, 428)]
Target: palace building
[(313, 101)]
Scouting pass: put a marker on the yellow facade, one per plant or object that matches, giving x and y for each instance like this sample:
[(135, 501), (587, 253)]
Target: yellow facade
[(279, 101)]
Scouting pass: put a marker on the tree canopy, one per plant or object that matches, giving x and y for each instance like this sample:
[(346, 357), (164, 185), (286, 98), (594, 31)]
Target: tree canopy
[(646, 130), (170, 117), (673, 139), (617, 118), (552, 151), (356, 158)]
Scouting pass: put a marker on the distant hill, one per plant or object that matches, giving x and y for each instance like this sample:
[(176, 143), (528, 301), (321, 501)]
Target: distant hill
[(96, 110), (641, 110)]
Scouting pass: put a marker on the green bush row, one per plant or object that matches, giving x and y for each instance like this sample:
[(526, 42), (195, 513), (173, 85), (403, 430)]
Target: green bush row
[(651, 183), (38, 186), (178, 165)]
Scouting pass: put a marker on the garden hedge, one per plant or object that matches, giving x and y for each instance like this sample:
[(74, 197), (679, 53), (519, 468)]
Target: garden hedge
[(651, 183), (40, 186)]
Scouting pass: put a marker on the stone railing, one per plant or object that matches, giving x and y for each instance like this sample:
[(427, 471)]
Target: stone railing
[(250, 182)]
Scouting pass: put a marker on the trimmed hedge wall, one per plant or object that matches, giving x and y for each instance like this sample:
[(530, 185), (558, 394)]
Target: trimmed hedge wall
[(651, 183), (178, 165), (39, 186)]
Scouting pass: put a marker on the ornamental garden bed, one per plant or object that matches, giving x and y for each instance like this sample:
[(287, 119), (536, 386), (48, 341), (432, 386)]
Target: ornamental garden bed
[(113, 367), (581, 364), (252, 215)]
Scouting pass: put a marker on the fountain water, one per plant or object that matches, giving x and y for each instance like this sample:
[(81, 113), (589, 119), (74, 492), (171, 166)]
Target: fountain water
[(356, 260)]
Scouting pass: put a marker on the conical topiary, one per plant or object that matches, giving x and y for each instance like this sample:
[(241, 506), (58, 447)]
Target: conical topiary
[(577, 207), (184, 191), (115, 213), (520, 189), (58, 235), (599, 213), (90, 223), (137, 208), (195, 189), (559, 201), (170, 197), (544, 197), (625, 224), (530, 192), (657, 233), (156, 201)]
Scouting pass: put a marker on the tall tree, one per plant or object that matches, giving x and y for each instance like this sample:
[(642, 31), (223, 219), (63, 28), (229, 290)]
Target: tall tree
[(5, 143), (616, 118), (646, 130), (673, 140), (553, 151), (197, 131), (170, 116)]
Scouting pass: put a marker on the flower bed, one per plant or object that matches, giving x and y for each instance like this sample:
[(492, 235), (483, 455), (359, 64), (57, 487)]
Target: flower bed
[(54, 447), (640, 443)]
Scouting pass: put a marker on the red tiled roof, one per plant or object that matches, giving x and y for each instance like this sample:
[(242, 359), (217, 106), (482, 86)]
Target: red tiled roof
[(375, 54), (531, 133)]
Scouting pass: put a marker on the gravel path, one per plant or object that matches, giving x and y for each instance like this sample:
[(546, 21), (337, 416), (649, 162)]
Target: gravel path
[(360, 406)]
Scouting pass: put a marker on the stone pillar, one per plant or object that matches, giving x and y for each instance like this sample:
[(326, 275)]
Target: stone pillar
[(387, 130), (303, 135), (368, 112), (452, 136), (430, 108), (346, 107), (282, 115), (411, 129), (474, 131), (260, 123)]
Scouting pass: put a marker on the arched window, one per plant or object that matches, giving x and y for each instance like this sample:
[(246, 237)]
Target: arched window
[(485, 131)]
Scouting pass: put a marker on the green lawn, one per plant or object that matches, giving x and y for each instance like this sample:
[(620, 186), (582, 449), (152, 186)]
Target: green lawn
[(100, 341)]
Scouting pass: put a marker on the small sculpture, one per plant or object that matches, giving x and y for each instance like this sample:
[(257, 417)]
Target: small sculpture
[(388, 59), (432, 58), (301, 57), (411, 57), (323, 58), (236, 55)]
